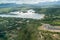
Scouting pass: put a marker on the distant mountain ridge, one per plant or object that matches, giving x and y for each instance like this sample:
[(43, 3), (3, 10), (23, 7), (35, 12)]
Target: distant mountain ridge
[(9, 5), (49, 4), (41, 4)]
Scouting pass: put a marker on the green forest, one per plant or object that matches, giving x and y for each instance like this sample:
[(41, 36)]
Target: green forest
[(27, 29)]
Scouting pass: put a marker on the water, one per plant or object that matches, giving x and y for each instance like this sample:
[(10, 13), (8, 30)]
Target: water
[(29, 14), (32, 16)]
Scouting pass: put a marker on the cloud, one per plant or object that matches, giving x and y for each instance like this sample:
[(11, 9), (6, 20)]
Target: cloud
[(26, 1)]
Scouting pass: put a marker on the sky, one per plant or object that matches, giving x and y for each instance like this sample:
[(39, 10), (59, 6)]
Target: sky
[(26, 1)]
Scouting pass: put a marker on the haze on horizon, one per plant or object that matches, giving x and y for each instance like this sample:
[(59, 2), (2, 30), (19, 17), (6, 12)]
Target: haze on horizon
[(26, 1)]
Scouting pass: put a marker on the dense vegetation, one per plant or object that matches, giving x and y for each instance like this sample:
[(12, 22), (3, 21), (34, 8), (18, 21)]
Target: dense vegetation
[(18, 29), (52, 15), (27, 29)]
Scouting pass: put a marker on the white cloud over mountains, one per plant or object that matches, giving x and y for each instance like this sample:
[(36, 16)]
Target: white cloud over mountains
[(26, 1)]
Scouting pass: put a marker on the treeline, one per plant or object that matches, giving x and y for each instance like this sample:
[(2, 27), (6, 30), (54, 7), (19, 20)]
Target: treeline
[(11, 9)]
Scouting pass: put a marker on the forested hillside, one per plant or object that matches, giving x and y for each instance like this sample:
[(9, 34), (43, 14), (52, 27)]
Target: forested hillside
[(27, 29)]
